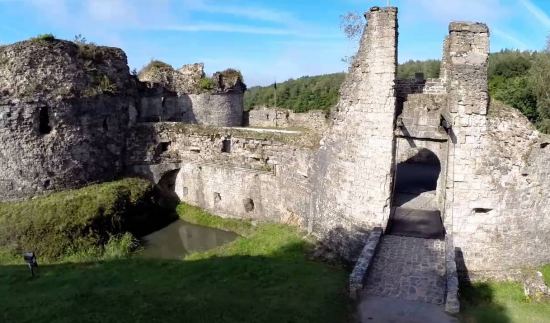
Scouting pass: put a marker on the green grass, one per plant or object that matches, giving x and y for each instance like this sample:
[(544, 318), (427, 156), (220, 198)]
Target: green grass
[(263, 276), (198, 216), (77, 221), (500, 302), (546, 273)]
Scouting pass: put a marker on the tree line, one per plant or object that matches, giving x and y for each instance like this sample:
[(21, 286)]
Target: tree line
[(520, 79)]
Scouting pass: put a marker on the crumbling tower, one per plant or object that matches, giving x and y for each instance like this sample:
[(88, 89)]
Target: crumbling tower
[(353, 175)]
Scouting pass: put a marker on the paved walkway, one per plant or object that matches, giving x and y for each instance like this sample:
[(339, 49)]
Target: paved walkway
[(406, 282)]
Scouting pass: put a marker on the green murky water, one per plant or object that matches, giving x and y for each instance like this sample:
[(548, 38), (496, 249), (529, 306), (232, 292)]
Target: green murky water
[(181, 238)]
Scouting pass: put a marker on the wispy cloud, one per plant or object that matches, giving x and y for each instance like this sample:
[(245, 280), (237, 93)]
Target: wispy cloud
[(252, 13), (536, 12), (225, 28), (509, 38), (446, 10)]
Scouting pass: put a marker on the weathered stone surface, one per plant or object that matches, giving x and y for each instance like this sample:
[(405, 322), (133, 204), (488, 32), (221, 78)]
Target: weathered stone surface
[(452, 302), (353, 169), (64, 113), (409, 268), (534, 286), (315, 120), (359, 274)]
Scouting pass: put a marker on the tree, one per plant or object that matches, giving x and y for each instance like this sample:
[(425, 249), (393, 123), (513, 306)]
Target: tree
[(352, 24)]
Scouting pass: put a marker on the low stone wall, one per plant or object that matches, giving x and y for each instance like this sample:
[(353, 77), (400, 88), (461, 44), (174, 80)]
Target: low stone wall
[(282, 118), (359, 274), (452, 303)]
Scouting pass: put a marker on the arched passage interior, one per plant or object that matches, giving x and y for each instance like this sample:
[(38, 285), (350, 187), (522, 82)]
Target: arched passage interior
[(415, 210)]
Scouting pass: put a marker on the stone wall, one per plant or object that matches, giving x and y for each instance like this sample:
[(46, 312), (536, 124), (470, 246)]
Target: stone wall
[(177, 95), (64, 113), (221, 169), (282, 118), (421, 117), (353, 169), (497, 186), (213, 109)]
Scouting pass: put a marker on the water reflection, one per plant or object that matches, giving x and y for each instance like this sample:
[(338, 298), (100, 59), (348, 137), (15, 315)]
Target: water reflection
[(181, 238)]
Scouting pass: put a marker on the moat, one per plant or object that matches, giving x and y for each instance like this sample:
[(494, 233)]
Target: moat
[(181, 238)]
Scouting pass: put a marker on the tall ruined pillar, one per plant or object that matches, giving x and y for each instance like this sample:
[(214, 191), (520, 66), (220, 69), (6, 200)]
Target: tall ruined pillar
[(353, 170), (468, 184)]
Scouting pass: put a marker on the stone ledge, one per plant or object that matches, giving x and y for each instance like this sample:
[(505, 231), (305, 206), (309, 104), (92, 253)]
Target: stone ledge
[(474, 27), (452, 303), (357, 277)]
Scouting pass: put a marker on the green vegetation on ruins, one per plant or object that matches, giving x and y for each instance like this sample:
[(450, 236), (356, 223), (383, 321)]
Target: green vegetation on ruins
[(263, 276), (43, 38)]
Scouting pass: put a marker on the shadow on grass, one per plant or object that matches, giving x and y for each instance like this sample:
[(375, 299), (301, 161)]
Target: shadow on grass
[(477, 300), (479, 305), (280, 287)]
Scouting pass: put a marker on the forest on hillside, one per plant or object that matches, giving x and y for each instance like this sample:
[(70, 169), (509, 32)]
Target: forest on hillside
[(518, 78), (322, 92)]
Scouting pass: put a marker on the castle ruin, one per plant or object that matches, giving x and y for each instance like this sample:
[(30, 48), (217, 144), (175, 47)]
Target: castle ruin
[(477, 171)]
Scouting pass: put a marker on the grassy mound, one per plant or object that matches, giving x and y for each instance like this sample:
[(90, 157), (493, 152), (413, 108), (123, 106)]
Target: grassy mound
[(263, 276), (70, 222)]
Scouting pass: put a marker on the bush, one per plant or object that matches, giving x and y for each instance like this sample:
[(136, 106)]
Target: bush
[(75, 221), (206, 84), (155, 65), (44, 37), (232, 73)]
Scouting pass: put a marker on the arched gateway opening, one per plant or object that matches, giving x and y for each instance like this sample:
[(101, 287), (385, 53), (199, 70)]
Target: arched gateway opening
[(415, 207), (167, 188)]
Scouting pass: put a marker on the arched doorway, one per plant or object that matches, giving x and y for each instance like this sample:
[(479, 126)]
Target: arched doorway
[(415, 208), (167, 188)]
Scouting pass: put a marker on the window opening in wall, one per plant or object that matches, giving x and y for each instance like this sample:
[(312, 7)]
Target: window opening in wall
[(481, 210), (217, 197), (226, 145), (164, 146), (44, 125), (248, 205)]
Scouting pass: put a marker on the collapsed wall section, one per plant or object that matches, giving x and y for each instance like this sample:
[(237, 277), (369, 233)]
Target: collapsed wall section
[(353, 176), (186, 95)]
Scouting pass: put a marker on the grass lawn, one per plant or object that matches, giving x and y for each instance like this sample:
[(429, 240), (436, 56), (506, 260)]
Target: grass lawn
[(500, 303), (264, 276), (546, 273)]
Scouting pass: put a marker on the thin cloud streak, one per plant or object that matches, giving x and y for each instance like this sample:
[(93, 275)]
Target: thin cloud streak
[(508, 37), (536, 12), (252, 13)]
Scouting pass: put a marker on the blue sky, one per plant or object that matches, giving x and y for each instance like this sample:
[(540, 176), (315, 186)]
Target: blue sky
[(266, 40)]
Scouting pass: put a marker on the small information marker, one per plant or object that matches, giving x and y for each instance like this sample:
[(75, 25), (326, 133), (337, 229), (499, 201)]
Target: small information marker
[(30, 259)]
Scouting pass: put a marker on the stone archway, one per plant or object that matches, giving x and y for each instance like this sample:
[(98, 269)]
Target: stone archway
[(416, 180), (415, 209)]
